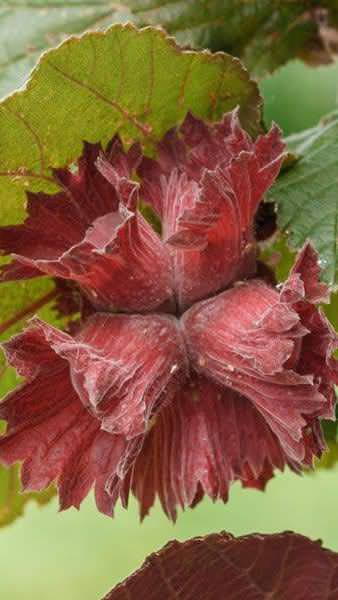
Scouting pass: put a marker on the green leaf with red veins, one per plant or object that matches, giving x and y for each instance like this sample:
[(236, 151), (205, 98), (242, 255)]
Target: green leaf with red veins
[(134, 82)]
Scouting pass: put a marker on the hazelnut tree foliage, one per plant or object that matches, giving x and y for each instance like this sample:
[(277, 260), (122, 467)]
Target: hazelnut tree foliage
[(180, 259)]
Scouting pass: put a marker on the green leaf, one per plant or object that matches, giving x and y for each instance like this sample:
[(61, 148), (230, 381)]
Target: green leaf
[(138, 83), (264, 33), (278, 257), (307, 196), (12, 501), (16, 298), (29, 28), (329, 459)]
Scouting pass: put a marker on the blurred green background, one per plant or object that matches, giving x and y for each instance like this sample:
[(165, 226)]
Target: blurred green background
[(80, 555)]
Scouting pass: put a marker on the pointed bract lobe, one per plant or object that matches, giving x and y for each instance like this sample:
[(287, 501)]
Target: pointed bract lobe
[(126, 416), (304, 279), (46, 424), (206, 185), (203, 441), (58, 441), (93, 234), (274, 348), (50, 428), (304, 288), (151, 404), (124, 367), (218, 566), (186, 444)]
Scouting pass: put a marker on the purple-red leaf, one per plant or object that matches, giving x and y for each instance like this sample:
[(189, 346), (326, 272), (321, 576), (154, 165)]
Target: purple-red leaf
[(284, 566)]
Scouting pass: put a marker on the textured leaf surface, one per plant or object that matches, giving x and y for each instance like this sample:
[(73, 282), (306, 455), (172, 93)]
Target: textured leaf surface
[(265, 33), (28, 28), (136, 82), (307, 195), (218, 566)]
